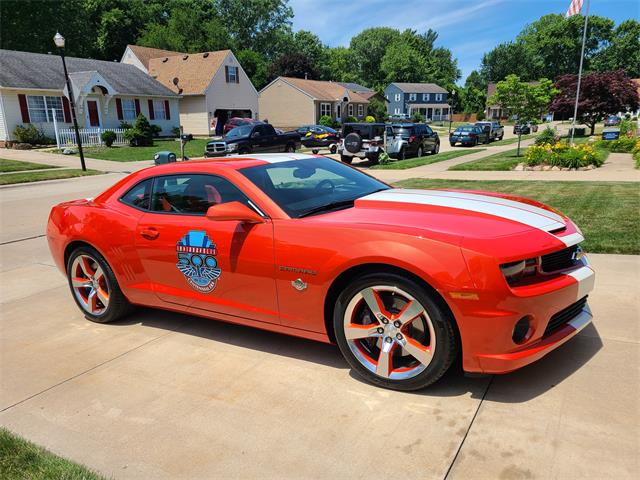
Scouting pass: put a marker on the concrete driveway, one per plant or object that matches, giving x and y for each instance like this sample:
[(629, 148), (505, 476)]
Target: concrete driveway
[(163, 395)]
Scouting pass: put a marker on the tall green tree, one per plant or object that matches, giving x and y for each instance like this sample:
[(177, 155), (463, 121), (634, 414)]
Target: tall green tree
[(510, 58), (368, 47), (473, 97), (338, 65), (255, 66), (623, 51), (401, 63)]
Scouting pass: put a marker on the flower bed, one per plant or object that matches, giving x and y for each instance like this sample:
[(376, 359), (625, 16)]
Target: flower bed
[(560, 156)]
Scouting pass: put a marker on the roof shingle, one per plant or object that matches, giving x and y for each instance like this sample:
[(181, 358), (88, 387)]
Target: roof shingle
[(323, 90), (193, 71), (420, 87), (145, 54)]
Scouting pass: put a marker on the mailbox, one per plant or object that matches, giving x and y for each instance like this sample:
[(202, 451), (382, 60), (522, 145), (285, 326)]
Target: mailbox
[(186, 137), (164, 157)]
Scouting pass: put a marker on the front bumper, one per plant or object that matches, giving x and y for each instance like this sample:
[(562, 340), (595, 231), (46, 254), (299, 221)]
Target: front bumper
[(487, 325)]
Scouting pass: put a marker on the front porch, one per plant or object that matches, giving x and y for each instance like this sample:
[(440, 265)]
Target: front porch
[(431, 112)]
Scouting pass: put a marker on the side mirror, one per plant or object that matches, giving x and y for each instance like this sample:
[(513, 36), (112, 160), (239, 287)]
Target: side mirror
[(233, 211)]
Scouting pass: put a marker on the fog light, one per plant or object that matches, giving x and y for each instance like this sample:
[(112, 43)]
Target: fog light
[(521, 330)]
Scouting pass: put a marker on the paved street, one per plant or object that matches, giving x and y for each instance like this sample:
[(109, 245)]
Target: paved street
[(163, 395)]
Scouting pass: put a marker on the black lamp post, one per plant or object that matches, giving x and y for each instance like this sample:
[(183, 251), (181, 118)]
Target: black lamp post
[(59, 41), (453, 94)]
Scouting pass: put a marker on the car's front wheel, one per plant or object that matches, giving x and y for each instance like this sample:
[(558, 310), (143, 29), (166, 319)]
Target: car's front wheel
[(393, 332), (436, 148), (94, 286)]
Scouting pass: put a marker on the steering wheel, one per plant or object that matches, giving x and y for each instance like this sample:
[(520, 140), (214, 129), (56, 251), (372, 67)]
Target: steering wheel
[(326, 184)]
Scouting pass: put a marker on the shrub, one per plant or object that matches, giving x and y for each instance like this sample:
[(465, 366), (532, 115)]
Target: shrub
[(141, 134), (636, 153), (384, 158), (622, 145), (156, 130), (108, 137), (547, 136), (562, 155), (125, 125), (175, 131), (480, 116), (537, 155), (350, 119), (326, 120), (627, 128), (370, 119), (29, 134), (417, 117)]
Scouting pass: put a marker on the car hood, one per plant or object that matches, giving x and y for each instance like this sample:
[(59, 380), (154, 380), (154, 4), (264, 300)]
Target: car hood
[(458, 213)]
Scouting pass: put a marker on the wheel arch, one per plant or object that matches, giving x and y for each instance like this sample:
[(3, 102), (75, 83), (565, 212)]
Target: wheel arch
[(343, 279), (73, 245)]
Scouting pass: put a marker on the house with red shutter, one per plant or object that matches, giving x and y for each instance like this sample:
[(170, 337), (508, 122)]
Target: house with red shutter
[(213, 85), (33, 91)]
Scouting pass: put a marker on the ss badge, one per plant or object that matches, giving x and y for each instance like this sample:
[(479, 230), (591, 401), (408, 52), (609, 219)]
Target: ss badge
[(299, 285)]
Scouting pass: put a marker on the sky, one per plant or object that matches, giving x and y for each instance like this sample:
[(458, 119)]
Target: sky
[(468, 28)]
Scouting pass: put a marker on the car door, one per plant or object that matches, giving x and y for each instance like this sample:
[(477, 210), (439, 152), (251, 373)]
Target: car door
[(261, 141), (429, 139), (191, 260)]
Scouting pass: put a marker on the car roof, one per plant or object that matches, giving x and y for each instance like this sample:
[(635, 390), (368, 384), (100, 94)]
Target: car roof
[(360, 124), (403, 125)]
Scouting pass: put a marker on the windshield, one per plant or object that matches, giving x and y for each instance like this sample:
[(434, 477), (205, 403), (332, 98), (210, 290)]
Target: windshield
[(242, 131), (303, 186), (465, 129)]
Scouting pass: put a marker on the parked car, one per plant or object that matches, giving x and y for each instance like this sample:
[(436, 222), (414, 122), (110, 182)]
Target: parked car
[(496, 131), (319, 136), (612, 121), (404, 281), (417, 139), (524, 128), (237, 122), (361, 140), (468, 136), (255, 138)]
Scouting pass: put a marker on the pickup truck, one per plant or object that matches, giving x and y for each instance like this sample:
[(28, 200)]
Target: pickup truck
[(256, 138), (496, 131)]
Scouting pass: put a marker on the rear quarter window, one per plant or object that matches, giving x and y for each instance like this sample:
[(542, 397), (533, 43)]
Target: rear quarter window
[(139, 196)]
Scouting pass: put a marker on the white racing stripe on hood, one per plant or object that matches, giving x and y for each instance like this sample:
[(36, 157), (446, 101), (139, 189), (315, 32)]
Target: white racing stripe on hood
[(498, 207)]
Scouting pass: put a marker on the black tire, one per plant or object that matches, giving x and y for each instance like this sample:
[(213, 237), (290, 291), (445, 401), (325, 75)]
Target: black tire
[(333, 149), (244, 151), (315, 151), (118, 305), (290, 148), (475, 142), (452, 144), (420, 152), (447, 343), (436, 149), (501, 137), (346, 159), (402, 154)]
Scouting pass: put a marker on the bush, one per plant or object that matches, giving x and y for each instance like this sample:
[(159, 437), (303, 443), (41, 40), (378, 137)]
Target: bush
[(30, 134), (370, 119), (627, 128), (156, 130), (350, 119), (636, 153), (326, 120), (547, 136), (175, 131), (417, 117), (622, 145), (384, 158), (108, 137), (480, 116), (562, 155), (141, 134), (125, 125)]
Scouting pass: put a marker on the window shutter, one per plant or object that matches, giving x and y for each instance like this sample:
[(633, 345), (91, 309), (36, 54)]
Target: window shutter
[(119, 108), (152, 115), (66, 110), (167, 111), (237, 75), (24, 109), (137, 102), (226, 72)]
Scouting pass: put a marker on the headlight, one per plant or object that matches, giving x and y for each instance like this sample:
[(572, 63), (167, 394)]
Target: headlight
[(232, 147), (516, 271)]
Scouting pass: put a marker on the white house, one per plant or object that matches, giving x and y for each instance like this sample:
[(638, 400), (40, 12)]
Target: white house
[(33, 90), (212, 85)]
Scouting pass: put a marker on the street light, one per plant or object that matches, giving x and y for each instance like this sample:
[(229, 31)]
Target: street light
[(453, 94), (59, 41)]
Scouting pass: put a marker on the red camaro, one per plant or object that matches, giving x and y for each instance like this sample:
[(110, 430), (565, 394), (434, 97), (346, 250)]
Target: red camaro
[(403, 281)]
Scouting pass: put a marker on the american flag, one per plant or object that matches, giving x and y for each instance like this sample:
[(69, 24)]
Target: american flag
[(575, 7)]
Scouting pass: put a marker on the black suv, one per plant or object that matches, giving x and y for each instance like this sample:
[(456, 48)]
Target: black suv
[(418, 139), (362, 140)]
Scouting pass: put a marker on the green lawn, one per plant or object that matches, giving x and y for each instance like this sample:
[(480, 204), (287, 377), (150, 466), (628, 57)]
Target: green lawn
[(606, 212), (499, 161), (417, 162), (17, 166), (20, 459), (193, 149), (510, 141), (26, 177)]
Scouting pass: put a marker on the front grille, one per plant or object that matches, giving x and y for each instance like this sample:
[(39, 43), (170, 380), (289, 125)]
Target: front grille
[(216, 147), (559, 260), (565, 316)]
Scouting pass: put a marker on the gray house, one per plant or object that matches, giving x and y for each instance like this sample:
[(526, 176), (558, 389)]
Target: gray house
[(427, 98), (33, 91)]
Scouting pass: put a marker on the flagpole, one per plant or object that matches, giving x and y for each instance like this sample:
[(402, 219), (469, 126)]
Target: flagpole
[(584, 40)]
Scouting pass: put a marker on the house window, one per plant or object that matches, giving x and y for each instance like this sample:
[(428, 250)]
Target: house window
[(129, 109), (398, 97), (413, 96), (438, 97), (232, 74), (361, 110), (325, 109), (425, 97), (158, 110), (350, 109), (40, 108), (396, 111)]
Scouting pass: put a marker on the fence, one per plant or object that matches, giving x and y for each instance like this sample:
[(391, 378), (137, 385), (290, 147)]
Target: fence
[(89, 136)]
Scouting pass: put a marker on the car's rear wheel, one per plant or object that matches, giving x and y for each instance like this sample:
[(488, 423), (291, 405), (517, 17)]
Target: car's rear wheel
[(94, 286), (420, 152), (333, 149), (290, 148), (393, 332)]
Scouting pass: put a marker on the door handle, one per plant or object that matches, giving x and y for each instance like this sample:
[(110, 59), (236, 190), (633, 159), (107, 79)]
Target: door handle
[(150, 233)]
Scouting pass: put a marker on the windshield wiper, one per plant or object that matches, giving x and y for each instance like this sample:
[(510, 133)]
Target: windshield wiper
[(328, 207)]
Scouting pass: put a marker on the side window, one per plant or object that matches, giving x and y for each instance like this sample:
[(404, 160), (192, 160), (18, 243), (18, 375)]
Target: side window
[(428, 130), (193, 194), (139, 195)]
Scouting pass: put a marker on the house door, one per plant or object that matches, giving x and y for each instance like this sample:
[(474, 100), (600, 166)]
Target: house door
[(92, 110), (338, 112)]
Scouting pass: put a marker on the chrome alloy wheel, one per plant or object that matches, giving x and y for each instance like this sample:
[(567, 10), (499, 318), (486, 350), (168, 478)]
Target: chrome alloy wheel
[(389, 332), (90, 285)]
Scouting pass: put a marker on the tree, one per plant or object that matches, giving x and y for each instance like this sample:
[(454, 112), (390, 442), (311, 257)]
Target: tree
[(401, 63), (377, 108), (338, 65), (473, 97), (601, 94), (254, 66), (509, 58), (623, 51), (293, 65), (368, 48)]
